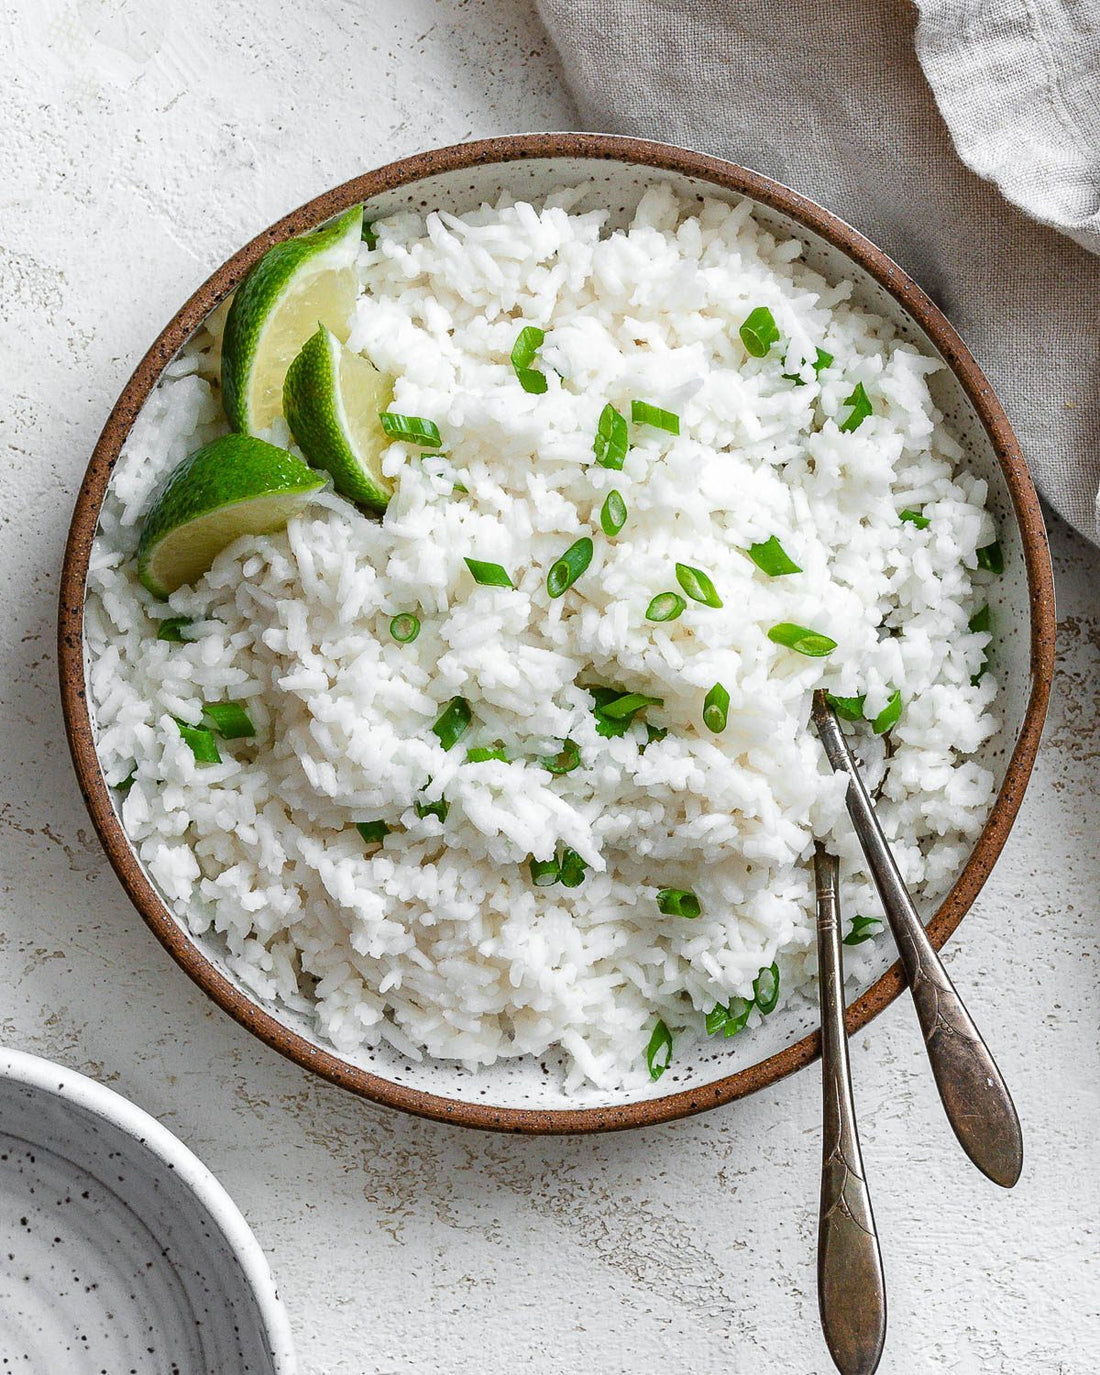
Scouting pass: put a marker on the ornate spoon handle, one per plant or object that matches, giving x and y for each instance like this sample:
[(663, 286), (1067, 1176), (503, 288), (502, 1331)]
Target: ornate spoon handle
[(851, 1293), (974, 1095)]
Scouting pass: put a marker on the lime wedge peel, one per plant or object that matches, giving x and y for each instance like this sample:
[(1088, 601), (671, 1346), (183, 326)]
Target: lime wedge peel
[(233, 486), (331, 400), (294, 286)]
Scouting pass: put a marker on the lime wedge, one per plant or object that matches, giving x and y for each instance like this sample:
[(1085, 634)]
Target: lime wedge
[(233, 486), (277, 307), (331, 400)]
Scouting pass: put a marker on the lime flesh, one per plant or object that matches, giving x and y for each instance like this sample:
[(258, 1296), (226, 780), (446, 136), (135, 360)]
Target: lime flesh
[(231, 487), (277, 307), (331, 399)]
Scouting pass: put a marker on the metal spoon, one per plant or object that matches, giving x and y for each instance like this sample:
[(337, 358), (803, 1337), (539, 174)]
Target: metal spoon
[(851, 1292), (974, 1095)]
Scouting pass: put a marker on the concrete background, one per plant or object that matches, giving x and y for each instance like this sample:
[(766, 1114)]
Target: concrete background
[(142, 142)]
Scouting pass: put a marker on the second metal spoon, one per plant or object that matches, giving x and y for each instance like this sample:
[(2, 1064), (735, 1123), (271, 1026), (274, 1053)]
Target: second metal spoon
[(974, 1095)]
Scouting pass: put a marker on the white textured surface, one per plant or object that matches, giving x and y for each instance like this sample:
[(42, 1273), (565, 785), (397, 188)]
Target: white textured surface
[(142, 143)]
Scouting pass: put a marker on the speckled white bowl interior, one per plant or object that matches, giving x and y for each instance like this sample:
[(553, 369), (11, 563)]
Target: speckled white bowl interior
[(616, 185), (122, 1251)]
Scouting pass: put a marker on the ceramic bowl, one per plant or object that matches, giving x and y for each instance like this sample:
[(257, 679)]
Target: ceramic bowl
[(122, 1250), (522, 1095)]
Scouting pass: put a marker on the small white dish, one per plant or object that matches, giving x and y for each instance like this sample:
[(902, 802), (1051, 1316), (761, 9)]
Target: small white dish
[(123, 1255)]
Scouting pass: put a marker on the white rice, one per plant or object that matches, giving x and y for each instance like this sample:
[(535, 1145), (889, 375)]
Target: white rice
[(438, 942)]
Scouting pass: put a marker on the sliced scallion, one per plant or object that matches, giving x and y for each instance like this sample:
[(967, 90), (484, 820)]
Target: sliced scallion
[(801, 640), (128, 782), (565, 572), (405, 627), (642, 413), (765, 989), (373, 832), (172, 629), (228, 719), (863, 928), (678, 902), (697, 585), (367, 234), (771, 558), (889, 715), (665, 606), (613, 514), (544, 872), (573, 869), (482, 754), (615, 710), (411, 429), (847, 708), (489, 574), (991, 557), (716, 707), (912, 517), (453, 722), (759, 332), (203, 745), (524, 352), (610, 444), (821, 362), (658, 1054), (438, 809), (730, 1018), (981, 623), (654, 733), (565, 761), (861, 409)]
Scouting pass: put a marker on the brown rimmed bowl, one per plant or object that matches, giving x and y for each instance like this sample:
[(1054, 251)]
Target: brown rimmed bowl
[(522, 1096)]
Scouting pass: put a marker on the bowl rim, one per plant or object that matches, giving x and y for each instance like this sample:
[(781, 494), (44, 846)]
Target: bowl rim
[(72, 1088), (399, 174)]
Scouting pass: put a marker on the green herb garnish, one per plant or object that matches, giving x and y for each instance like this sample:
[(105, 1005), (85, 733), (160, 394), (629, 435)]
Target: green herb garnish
[(615, 710), (771, 558), (801, 640), (128, 782), (665, 606), (613, 514), (716, 709), (729, 1019), (405, 627), (861, 409), (481, 754), (642, 413), (172, 629), (367, 234), (488, 574), (544, 872), (863, 928), (821, 362), (847, 708), (991, 557), (678, 902), (654, 733), (765, 989), (453, 723), (573, 869), (759, 332), (915, 518), (524, 351), (564, 762), (203, 745), (889, 715), (610, 443), (658, 1054), (697, 585), (439, 809), (373, 832), (228, 719), (569, 567), (411, 429)]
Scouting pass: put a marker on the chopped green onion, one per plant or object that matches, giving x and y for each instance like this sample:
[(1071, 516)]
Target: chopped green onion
[(565, 762), (524, 351), (367, 234), (610, 443), (615, 710), (373, 832), (665, 606), (802, 640), (861, 409), (128, 782), (573, 869), (642, 413), (481, 755), (915, 518), (569, 567), (697, 585), (991, 557), (405, 627), (453, 723), (489, 574), (460, 487), (981, 621), (229, 720), (729, 1019), (654, 733), (821, 361), (412, 429), (203, 745), (678, 902), (888, 716), (658, 1054), (771, 558), (439, 809), (765, 989), (759, 332), (847, 708), (172, 629), (716, 709), (613, 514), (863, 928), (544, 872)]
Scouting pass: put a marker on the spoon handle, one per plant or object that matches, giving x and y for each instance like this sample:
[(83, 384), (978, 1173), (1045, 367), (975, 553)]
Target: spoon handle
[(851, 1292), (974, 1095)]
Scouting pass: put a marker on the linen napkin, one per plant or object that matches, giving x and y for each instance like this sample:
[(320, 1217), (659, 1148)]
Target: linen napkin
[(832, 100)]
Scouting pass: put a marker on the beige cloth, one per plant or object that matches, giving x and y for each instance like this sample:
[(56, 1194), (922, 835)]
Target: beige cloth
[(830, 99)]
